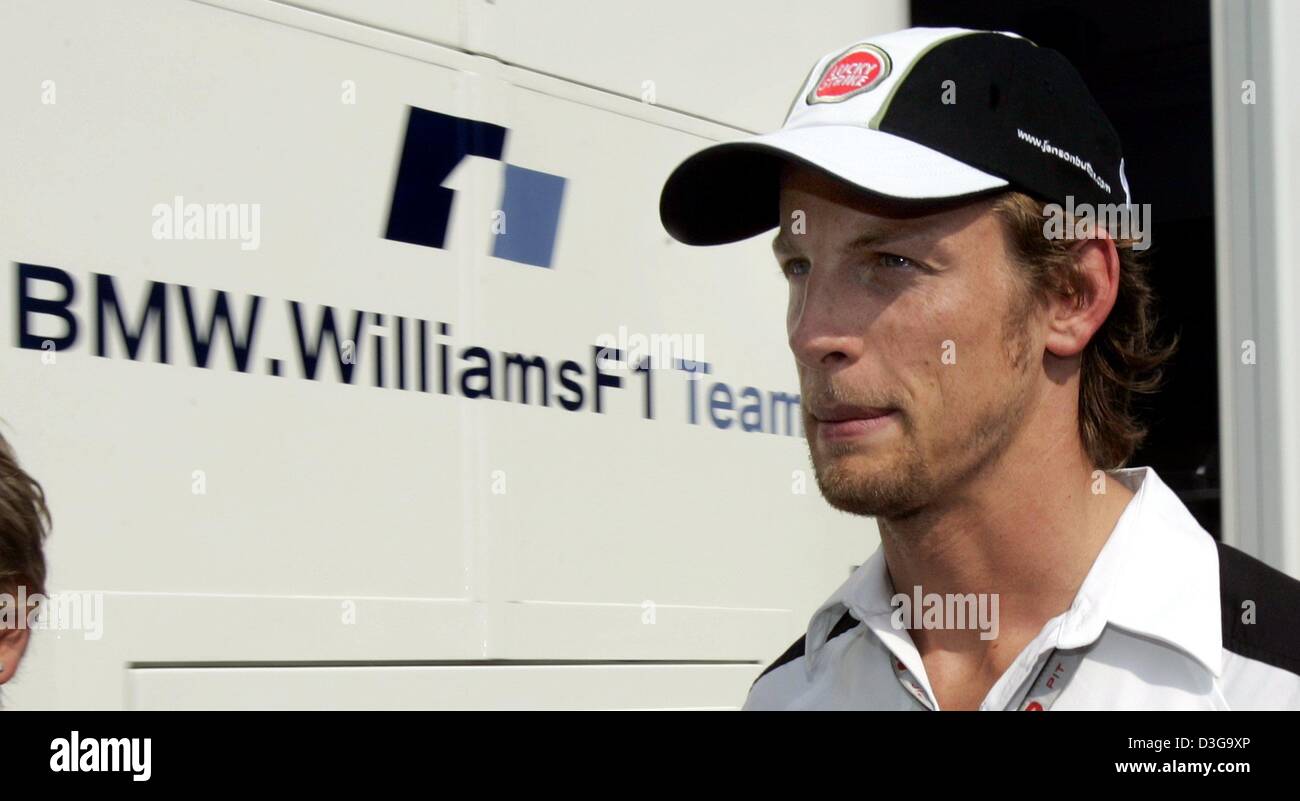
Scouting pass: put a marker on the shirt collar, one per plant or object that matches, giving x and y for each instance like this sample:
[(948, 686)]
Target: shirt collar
[(1157, 575)]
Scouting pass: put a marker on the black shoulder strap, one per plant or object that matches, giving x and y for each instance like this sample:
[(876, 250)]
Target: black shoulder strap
[(1247, 585), (796, 649)]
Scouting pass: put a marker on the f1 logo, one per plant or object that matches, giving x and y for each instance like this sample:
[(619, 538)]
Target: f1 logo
[(421, 211)]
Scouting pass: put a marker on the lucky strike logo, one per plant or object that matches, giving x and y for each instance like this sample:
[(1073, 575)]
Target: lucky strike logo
[(860, 69)]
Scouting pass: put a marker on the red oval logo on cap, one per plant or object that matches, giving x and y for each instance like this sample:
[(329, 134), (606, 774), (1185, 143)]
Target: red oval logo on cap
[(858, 70)]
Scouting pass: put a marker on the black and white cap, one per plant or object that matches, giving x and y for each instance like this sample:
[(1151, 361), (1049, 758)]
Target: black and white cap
[(923, 114)]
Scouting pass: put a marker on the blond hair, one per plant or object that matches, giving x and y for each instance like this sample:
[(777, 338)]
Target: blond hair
[(1123, 360)]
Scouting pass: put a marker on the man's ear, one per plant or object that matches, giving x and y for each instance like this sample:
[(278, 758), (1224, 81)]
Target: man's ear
[(13, 642), (1073, 319)]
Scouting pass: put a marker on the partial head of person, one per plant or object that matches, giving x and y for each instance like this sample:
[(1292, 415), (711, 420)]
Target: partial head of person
[(941, 324), (24, 522)]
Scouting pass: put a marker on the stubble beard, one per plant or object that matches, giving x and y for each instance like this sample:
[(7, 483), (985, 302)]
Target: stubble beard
[(909, 482)]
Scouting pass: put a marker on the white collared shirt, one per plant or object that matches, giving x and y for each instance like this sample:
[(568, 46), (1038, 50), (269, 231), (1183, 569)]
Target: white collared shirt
[(1165, 619)]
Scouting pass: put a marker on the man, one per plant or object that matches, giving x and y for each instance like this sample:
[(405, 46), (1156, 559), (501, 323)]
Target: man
[(24, 520), (967, 370)]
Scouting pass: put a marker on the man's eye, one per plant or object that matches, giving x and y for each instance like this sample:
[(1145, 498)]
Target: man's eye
[(892, 260), (795, 267)]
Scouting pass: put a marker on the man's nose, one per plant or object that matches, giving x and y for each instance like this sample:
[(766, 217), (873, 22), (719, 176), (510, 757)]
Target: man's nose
[(825, 327)]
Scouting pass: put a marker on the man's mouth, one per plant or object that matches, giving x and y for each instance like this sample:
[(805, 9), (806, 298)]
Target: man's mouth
[(844, 422)]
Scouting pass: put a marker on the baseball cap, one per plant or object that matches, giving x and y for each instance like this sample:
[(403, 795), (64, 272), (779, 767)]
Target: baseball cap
[(918, 116)]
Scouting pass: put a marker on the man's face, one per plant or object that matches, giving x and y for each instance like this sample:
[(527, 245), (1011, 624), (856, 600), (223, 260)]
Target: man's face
[(13, 638), (913, 338)]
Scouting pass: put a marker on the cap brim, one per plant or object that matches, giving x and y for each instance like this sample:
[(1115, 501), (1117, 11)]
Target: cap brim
[(730, 191)]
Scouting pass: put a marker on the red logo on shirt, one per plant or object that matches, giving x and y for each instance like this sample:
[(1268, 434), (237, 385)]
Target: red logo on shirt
[(1034, 706), (860, 69)]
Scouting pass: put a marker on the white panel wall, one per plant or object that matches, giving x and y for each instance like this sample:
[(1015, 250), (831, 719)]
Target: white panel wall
[(360, 526), (738, 62), (1283, 31), (444, 687), (1257, 187)]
